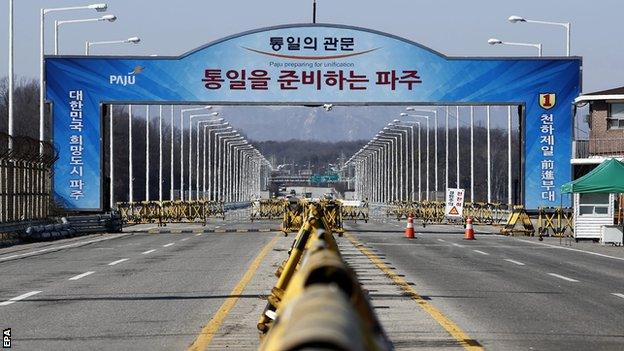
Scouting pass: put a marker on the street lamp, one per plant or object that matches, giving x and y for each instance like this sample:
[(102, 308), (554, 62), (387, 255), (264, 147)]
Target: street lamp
[(43, 13), (211, 160), (197, 144), (566, 25), (182, 145), (131, 40), (403, 114), (203, 126), (494, 41), (57, 24), (435, 142), (410, 125)]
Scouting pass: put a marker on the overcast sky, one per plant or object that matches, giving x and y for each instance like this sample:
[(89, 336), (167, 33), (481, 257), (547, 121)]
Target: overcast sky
[(455, 28)]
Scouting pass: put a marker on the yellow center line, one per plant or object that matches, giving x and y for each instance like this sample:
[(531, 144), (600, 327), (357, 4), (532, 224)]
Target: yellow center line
[(204, 338), (446, 323)]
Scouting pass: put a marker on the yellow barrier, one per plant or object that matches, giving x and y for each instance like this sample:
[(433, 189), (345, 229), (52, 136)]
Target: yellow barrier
[(432, 212), (169, 211), (267, 209), (518, 215), (317, 300), (355, 213), (555, 221)]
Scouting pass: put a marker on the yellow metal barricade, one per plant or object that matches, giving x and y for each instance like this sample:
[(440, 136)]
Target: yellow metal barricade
[(170, 211), (518, 215)]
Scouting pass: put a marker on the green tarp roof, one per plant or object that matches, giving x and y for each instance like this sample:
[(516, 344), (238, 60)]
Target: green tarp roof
[(608, 177)]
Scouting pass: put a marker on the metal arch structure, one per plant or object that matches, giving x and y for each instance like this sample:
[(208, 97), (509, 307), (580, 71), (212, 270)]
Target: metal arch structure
[(343, 65)]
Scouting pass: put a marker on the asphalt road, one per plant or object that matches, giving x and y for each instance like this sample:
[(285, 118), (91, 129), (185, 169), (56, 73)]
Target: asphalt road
[(510, 293), (146, 290), (139, 291)]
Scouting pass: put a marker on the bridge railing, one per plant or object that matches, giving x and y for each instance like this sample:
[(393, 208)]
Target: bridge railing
[(25, 178)]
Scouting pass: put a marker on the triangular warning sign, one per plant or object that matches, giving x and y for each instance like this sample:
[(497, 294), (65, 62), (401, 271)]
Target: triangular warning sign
[(453, 211)]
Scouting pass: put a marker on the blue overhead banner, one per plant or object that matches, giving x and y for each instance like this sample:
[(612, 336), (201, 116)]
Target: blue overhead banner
[(310, 64)]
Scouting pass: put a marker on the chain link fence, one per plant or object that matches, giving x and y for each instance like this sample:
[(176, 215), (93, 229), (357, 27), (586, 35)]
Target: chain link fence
[(25, 178)]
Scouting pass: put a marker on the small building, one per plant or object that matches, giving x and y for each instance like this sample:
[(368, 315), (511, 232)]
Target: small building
[(605, 141)]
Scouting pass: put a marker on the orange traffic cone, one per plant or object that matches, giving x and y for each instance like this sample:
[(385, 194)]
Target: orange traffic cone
[(409, 230), (469, 232)]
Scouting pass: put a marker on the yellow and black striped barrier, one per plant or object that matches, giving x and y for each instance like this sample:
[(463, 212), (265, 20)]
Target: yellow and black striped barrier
[(432, 212), (317, 300), (170, 211), (267, 209), (555, 221)]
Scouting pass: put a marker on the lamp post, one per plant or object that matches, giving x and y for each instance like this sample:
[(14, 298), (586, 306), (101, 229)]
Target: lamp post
[(222, 137), (232, 159), (147, 146), (395, 126), (11, 74), (538, 46), (394, 137), (204, 126), (427, 149), (42, 14), (171, 186), (130, 167), (190, 172), (131, 40), (457, 147), (216, 191), (211, 158), (566, 25), (489, 158), (57, 24), (435, 142), (182, 145), (419, 160)]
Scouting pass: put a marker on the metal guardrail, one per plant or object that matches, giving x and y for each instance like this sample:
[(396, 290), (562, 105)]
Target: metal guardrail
[(25, 178), (170, 211), (317, 302)]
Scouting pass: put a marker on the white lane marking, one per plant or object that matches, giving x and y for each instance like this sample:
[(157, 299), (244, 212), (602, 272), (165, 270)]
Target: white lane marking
[(76, 277), (514, 262), (167, 245), (198, 234), (185, 239), (455, 244), (21, 297), (148, 252), (481, 252), (562, 277), (118, 261), (571, 249), (618, 295), (442, 240), (81, 243)]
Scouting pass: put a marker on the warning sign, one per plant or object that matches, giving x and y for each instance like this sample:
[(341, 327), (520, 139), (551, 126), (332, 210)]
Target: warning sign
[(454, 202)]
